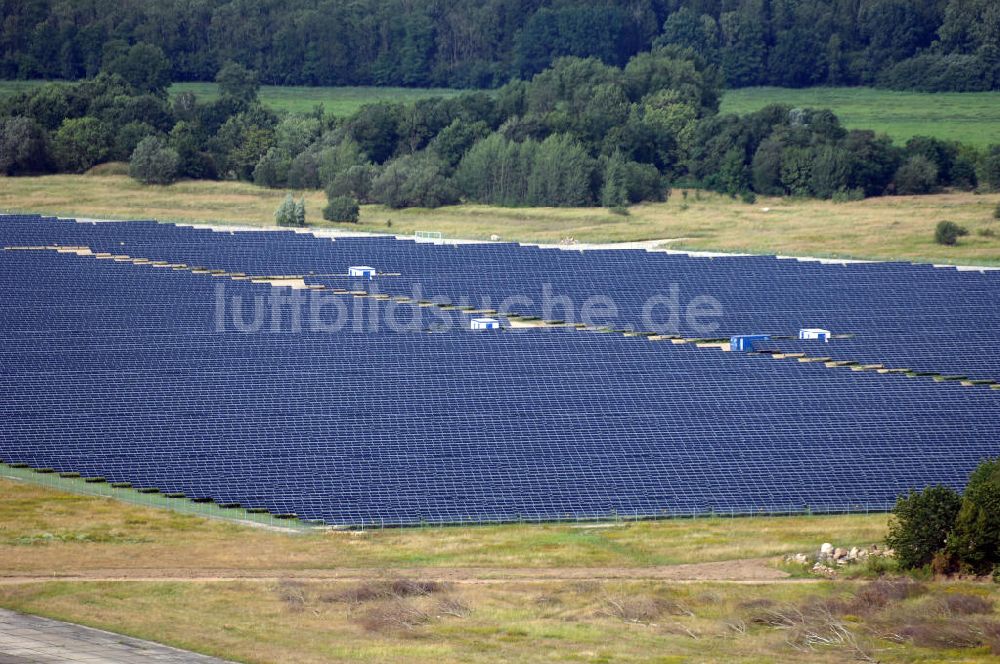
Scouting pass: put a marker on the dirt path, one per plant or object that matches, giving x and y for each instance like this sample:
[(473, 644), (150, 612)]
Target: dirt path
[(757, 570)]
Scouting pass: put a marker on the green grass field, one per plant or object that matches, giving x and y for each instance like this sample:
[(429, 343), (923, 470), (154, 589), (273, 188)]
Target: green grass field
[(338, 101), (969, 117), (296, 99)]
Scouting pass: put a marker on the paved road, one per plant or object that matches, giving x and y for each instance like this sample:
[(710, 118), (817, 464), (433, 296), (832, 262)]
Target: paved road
[(33, 640)]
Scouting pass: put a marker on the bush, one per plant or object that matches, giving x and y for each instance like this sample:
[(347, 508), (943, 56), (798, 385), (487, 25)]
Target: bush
[(23, 146), (976, 538), (416, 180), (920, 524), (81, 143), (290, 212), (127, 139), (561, 175), (341, 208), (988, 169), (996, 211), (644, 183), (917, 175), (948, 232), (303, 172), (354, 182), (153, 162), (272, 169)]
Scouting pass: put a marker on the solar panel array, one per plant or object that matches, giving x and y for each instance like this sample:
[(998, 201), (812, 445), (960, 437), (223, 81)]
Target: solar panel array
[(908, 316), (123, 371)]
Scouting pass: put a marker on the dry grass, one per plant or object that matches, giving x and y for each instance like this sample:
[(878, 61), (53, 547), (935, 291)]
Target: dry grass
[(899, 227), (117, 535), (258, 622), (388, 616)]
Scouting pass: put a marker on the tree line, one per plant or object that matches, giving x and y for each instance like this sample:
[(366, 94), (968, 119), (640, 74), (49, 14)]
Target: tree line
[(907, 44), (579, 133)]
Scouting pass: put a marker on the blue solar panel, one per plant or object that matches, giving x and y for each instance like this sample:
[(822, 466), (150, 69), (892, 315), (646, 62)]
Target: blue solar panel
[(121, 371)]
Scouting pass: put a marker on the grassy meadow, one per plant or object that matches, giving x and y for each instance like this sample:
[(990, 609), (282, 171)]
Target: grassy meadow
[(340, 101), (337, 101), (968, 117), (513, 593), (894, 227)]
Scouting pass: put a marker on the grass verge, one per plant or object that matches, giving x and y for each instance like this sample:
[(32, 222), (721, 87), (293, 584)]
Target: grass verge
[(889, 228)]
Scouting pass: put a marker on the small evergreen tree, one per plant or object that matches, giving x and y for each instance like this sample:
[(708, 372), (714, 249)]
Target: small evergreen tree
[(948, 232), (614, 194), (921, 521), (285, 214)]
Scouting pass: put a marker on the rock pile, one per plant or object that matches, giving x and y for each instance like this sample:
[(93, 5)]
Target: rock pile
[(829, 558)]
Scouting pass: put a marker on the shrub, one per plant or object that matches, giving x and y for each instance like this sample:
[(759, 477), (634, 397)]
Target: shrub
[(81, 143), (996, 211), (917, 175), (920, 524), (976, 538), (290, 213), (23, 147), (645, 183), (417, 180), (303, 172), (948, 232), (879, 594), (153, 162), (127, 139), (341, 208), (959, 604), (354, 182), (300, 212), (272, 169), (988, 169)]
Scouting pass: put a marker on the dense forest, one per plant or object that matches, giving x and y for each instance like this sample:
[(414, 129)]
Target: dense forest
[(906, 44), (580, 132)]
